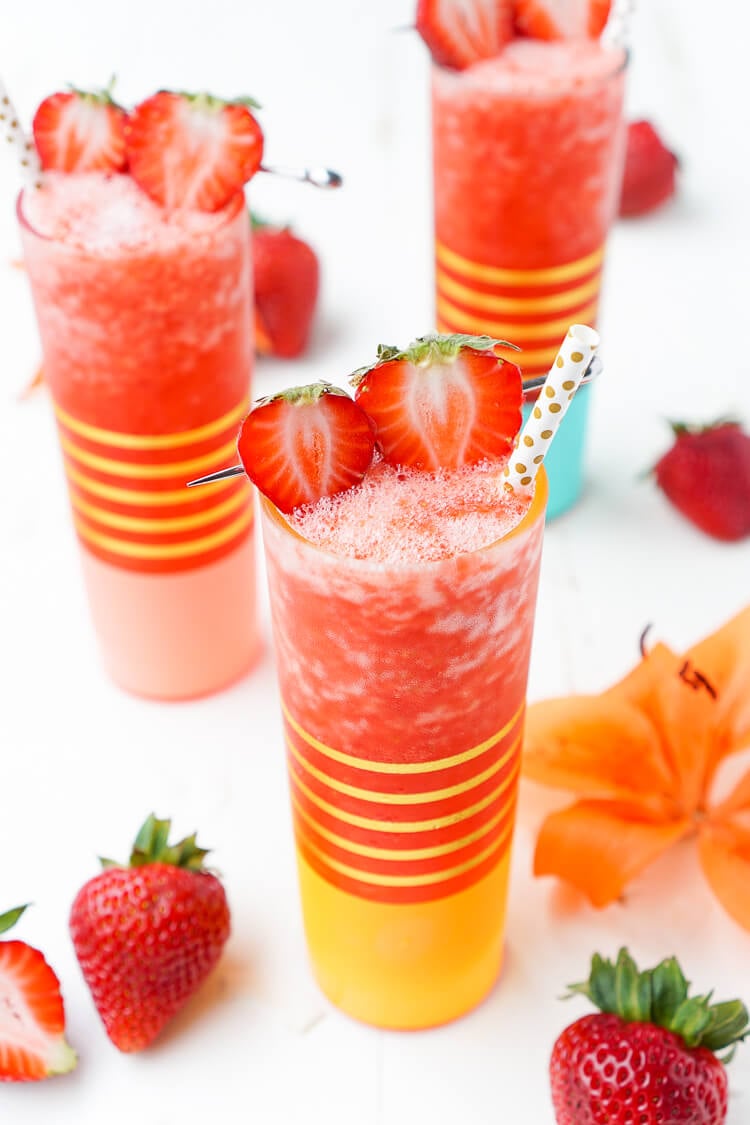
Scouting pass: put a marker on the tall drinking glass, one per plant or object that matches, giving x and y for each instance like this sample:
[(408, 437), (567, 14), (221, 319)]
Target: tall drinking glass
[(527, 159), (146, 331), (403, 692)]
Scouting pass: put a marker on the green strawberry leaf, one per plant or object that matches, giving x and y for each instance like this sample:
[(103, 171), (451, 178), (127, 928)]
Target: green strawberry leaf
[(10, 917), (729, 1024), (691, 1019), (668, 990)]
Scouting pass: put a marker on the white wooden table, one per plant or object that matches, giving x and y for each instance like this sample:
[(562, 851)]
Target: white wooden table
[(82, 763)]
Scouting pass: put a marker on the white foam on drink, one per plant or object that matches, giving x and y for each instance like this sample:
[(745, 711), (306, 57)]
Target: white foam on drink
[(105, 213), (540, 68), (402, 517)]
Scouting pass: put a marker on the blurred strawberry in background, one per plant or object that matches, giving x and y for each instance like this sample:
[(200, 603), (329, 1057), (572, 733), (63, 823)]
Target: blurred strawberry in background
[(287, 279), (706, 476), (650, 171)]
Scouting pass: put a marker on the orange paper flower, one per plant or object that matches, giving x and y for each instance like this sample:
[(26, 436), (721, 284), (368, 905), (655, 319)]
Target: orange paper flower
[(643, 756)]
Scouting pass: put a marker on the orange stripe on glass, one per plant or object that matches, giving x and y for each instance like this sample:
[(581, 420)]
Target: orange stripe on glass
[(514, 331), (130, 469), (392, 826), (368, 851), (526, 306), (118, 440), (478, 271), (154, 525), (139, 498), (401, 767), (187, 549), (376, 796), (429, 879)]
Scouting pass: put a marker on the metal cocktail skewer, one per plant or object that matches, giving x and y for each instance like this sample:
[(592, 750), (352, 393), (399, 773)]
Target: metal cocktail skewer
[(530, 385), (317, 176)]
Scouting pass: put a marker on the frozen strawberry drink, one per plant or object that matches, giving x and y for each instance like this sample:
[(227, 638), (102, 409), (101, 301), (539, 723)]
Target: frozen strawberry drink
[(403, 615), (145, 321), (528, 149), (402, 573)]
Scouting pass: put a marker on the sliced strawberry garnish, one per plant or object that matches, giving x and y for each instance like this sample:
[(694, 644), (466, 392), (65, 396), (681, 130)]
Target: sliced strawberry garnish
[(32, 1016), (306, 443), (80, 132), (446, 401), (460, 32), (193, 151), (562, 19), (650, 171)]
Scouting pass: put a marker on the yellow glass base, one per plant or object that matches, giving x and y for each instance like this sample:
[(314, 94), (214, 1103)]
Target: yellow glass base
[(407, 966)]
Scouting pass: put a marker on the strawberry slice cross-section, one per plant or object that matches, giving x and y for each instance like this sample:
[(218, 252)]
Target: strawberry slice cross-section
[(444, 402), (193, 151), (562, 19), (306, 443), (77, 131), (32, 1016), (461, 32)]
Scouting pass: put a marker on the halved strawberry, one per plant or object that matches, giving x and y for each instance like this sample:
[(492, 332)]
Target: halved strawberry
[(32, 1016), (306, 443), (562, 19), (460, 32), (444, 402), (193, 150), (80, 132)]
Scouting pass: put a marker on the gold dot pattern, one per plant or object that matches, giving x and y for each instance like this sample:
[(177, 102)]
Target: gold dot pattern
[(10, 125), (562, 382)]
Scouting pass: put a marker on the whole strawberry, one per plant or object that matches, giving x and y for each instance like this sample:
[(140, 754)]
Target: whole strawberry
[(147, 935), (706, 475), (648, 1055), (32, 1015), (287, 278), (650, 175)]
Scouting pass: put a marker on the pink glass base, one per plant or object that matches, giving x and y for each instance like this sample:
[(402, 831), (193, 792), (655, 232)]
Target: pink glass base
[(176, 636)]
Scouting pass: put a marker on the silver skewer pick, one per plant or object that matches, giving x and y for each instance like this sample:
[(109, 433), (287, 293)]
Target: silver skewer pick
[(222, 474), (593, 369), (318, 176)]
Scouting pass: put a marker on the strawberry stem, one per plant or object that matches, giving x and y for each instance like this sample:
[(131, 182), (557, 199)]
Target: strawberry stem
[(428, 350), (661, 996), (152, 846)]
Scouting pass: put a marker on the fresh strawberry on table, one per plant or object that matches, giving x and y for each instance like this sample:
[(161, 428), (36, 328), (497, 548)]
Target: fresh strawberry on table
[(305, 443), (193, 150), (461, 32), (706, 476), (650, 175), (32, 1015), (443, 402), (78, 131), (286, 282), (562, 19), (648, 1055), (148, 934)]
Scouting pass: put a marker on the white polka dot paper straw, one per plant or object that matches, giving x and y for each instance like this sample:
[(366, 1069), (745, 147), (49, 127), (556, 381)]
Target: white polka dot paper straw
[(561, 384), (618, 31), (15, 137)]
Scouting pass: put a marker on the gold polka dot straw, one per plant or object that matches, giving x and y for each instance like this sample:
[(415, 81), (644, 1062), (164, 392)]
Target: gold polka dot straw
[(16, 138), (561, 384)]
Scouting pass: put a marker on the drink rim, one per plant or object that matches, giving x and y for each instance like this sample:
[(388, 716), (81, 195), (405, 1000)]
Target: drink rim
[(535, 512), (235, 205), (622, 65)]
